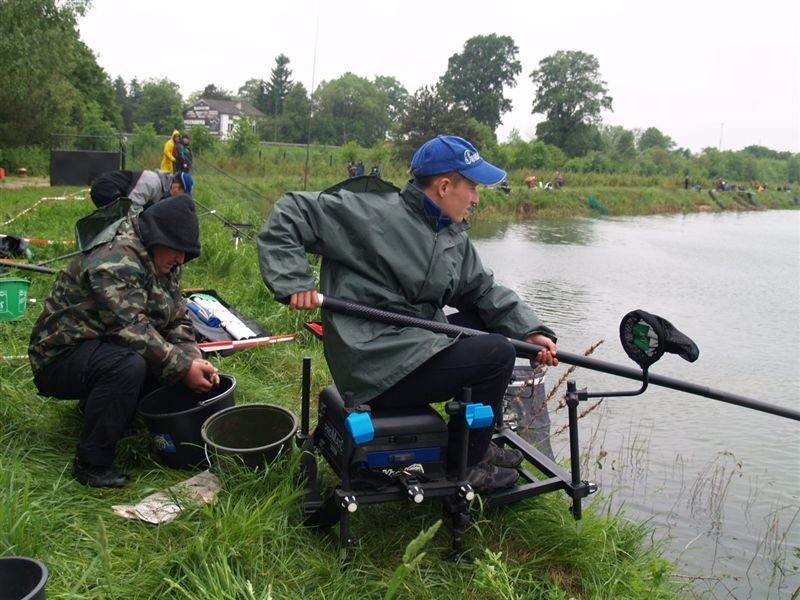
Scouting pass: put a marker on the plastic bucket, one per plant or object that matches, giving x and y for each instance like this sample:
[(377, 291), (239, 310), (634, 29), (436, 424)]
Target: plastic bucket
[(22, 578), (174, 416), (13, 298), (252, 434)]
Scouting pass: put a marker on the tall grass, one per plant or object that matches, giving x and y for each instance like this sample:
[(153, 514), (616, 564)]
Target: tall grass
[(250, 543)]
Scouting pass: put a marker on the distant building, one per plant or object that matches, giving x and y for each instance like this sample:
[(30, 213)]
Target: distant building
[(218, 116)]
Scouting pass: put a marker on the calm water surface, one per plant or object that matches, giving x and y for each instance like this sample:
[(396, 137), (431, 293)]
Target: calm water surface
[(719, 483)]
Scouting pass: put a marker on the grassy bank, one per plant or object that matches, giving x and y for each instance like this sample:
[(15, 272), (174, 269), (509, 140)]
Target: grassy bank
[(250, 542)]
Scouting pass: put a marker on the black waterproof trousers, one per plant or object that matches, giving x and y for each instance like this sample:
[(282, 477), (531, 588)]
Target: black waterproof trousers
[(108, 381), (483, 363)]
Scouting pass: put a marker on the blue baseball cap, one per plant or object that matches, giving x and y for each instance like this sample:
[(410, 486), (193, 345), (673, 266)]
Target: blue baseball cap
[(449, 153), (187, 181)]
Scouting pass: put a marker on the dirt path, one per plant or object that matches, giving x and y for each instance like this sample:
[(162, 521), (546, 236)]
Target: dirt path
[(15, 183)]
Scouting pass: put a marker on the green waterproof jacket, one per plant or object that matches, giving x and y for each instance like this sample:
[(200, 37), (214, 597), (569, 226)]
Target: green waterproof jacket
[(381, 249), (112, 293)]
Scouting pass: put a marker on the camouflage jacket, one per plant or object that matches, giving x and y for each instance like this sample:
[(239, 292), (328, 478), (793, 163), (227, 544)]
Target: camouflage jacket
[(112, 293)]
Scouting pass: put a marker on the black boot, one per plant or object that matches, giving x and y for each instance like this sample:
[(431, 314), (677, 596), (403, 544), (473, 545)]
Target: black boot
[(98, 476)]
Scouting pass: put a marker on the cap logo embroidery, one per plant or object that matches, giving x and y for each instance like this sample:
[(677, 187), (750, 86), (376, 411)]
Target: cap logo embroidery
[(471, 157)]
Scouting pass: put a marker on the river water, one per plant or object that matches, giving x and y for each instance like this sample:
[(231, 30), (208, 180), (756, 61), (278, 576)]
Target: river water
[(718, 483)]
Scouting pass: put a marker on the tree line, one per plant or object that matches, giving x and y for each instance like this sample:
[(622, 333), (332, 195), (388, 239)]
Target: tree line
[(52, 83)]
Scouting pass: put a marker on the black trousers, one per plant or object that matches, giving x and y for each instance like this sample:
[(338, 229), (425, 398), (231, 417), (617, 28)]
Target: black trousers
[(108, 381), (484, 363)]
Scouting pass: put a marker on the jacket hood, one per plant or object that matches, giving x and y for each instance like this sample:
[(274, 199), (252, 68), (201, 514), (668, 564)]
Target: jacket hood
[(172, 223)]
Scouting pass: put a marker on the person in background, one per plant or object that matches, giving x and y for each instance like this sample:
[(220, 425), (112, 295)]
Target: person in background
[(408, 252), (142, 187), (183, 163), (115, 327), (169, 153), (182, 183)]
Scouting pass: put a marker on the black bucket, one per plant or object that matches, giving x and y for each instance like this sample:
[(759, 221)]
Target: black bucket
[(174, 416), (22, 578), (252, 434)]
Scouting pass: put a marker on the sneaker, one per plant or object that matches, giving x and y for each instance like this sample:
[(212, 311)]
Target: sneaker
[(97, 476), (510, 458), (486, 478)]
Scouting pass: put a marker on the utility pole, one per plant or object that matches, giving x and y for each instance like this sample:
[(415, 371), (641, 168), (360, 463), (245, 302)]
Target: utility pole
[(721, 125)]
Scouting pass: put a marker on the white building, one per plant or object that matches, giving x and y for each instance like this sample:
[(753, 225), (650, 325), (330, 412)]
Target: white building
[(218, 116)]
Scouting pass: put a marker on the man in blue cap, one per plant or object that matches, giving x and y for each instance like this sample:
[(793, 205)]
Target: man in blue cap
[(408, 252)]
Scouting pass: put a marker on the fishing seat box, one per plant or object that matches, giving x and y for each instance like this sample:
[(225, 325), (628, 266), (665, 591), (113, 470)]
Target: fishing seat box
[(403, 437)]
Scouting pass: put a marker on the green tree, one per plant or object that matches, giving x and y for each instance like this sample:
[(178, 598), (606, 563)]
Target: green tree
[(100, 134), (593, 162), (254, 91), (432, 112), (160, 103), (350, 152), (625, 146), (243, 137), (145, 140), (570, 93), (618, 142), (217, 93), (125, 103), (653, 138), (94, 87), (50, 81), (476, 78), (134, 92), (793, 169), (349, 108), (278, 86), (293, 122), (202, 139), (516, 153), (395, 94), (763, 152)]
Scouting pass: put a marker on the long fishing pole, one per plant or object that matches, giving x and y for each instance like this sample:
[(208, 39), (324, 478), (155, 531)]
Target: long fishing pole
[(237, 227), (56, 258), (308, 122), (528, 350), (26, 267)]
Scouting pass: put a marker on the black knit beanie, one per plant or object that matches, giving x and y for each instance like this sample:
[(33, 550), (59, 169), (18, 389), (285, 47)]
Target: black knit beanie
[(172, 222)]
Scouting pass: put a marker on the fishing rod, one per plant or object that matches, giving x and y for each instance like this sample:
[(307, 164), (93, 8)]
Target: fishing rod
[(529, 350), (56, 258), (26, 267), (237, 227), (242, 344)]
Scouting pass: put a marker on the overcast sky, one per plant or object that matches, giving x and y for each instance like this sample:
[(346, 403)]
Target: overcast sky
[(704, 72)]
